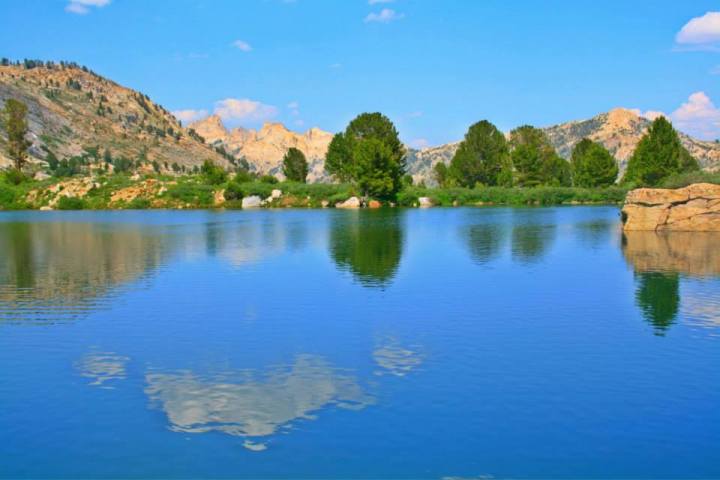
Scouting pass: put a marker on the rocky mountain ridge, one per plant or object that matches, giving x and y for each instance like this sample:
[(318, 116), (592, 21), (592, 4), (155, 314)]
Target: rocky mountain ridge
[(264, 149), (71, 110)]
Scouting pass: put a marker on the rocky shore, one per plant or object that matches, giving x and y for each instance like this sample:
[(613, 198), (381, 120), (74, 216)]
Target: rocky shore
[(695, 208)]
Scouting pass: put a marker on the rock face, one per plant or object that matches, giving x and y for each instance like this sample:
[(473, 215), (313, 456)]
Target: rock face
[(253, 201), (264, 149), (695, 208), (71, 110), (352, 202)]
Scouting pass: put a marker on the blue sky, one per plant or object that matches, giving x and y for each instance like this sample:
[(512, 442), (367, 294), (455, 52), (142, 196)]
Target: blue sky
[(434, 67)]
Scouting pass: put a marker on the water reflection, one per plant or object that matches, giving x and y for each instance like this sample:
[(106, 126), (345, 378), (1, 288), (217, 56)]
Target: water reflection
[(659, 259), (658, 297), (595, 233), (531, 242), (395, 359), (485, 241), (367, 243), (56, 270), (247, 404), (103, 367)]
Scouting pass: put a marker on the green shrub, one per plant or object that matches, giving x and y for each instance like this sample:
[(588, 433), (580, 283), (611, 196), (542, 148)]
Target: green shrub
[(139, 203), (193, 193), (14, 176), (684, 179), (233, 192), (213, 174), (242, 176), (71, 203), (270, 179)]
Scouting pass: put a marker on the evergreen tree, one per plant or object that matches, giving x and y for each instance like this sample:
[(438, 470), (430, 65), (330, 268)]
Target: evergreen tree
[(295, 166), (658, 155), (592, 165), (369, 140), (16, 126), (480, 156), (535, 160)]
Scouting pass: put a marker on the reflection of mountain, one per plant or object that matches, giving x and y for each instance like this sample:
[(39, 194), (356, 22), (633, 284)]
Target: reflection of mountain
[(244, 405), (658, 259), (367, 243), (60, 268)]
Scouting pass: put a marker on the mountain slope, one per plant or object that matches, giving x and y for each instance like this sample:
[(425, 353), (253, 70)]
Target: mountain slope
[(71, 109), (264, 149)]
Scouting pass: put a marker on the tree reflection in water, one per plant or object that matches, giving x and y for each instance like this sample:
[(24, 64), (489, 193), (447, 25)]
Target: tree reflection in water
[(368, 244), (659, 259)]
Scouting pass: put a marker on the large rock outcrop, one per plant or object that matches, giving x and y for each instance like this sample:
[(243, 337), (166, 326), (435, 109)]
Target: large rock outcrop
[(695, 208)]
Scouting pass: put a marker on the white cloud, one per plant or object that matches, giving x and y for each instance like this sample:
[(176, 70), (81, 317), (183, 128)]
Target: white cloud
[(188, 116), (700, 31), (649, 114), (698, 117), (82, 7), (294, 107), (374, 2), (386, 15), (244, 109), (242, 45)]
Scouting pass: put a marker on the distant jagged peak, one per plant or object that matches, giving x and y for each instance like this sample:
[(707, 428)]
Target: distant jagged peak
[(211, 128)]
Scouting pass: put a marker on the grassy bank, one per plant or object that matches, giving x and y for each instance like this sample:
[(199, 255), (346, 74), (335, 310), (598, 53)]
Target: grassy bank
[(193, 191)]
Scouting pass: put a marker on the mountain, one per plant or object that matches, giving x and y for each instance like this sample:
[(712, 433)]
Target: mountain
[(619, 130), (264, 149), (71, 109)]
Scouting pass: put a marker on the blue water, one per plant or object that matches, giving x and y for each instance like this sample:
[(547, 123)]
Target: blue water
[(440, 343)]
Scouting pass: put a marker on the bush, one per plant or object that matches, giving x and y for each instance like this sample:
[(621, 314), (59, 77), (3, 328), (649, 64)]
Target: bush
[(243, 176), (213, 174), (680, 180), (270, 179), (233, 192), (195, 194), (139, 203), (71, 203), (14, 176)]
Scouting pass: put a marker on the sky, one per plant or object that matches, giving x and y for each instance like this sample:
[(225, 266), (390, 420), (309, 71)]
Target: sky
[(433, 67)]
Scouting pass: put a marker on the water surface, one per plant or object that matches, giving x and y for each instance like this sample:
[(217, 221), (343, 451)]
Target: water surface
[(440, 343)]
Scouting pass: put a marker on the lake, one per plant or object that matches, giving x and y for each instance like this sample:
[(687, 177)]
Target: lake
[(441, 343)]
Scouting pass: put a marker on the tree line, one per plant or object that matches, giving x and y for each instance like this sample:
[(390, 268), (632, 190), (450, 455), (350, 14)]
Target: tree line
[(370, 155)]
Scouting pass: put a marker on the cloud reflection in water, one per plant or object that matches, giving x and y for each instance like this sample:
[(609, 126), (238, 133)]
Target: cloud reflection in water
[(244, 404)]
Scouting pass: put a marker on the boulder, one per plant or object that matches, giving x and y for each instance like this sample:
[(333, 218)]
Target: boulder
[(275, 194), (695, 208), (252, 201), (40, 176), (324, 204), (425, 202), (374, 204), (352, 202)]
